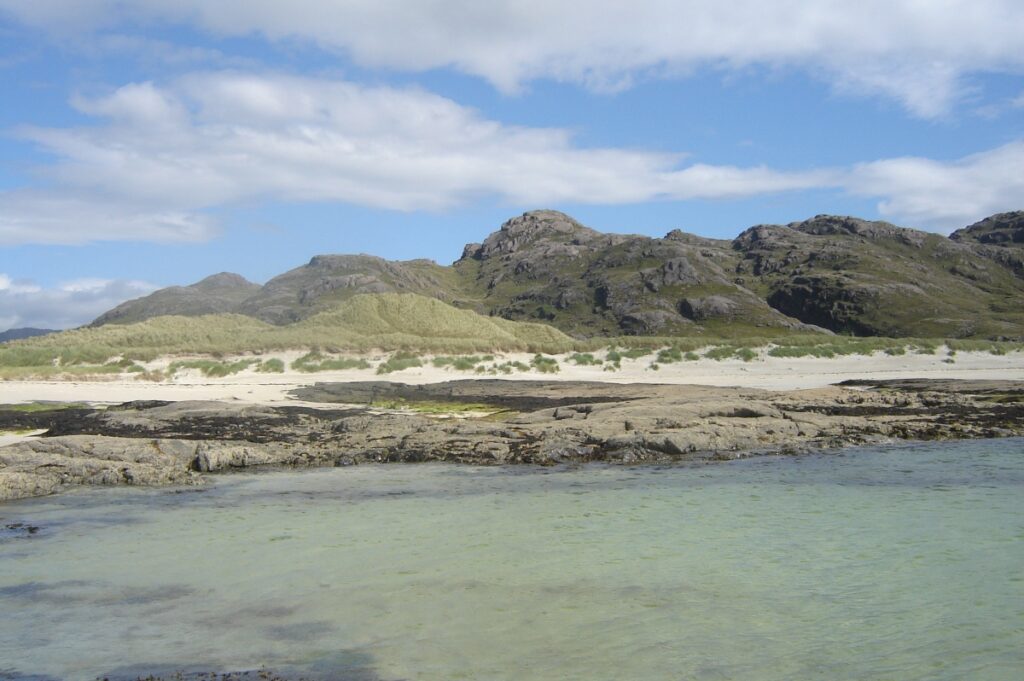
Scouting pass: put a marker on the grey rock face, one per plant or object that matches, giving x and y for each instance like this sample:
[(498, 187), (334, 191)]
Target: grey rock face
[(1002, 229), (711, 307)]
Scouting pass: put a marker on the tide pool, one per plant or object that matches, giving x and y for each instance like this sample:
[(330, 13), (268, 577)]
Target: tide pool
[(903, 562)]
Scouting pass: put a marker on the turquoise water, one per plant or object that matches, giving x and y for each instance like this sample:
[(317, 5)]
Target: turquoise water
[(887, 563)]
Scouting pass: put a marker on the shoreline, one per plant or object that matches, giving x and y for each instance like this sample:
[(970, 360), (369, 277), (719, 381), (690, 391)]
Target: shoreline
[(486, 422)]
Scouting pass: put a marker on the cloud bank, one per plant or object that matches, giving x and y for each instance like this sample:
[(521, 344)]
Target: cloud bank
[(70, 304), (920, 54), (161, 158)]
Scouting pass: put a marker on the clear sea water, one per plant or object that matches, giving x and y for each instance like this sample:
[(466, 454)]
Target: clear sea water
[(903, 562)]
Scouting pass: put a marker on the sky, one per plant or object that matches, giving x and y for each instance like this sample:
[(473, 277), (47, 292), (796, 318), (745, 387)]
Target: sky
[(147, 143)]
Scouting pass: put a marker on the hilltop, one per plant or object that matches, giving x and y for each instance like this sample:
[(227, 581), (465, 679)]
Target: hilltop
[(828, 273), (22, 333)]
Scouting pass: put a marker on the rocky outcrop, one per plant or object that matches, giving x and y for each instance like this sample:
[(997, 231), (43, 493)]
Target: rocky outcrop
[(545, 266), (530, 422), (876, 279), (1002, 229), (999, 238), (48, 465)]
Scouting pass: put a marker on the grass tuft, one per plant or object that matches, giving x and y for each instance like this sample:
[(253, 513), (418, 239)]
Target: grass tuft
[(400, 361), (545, 365)]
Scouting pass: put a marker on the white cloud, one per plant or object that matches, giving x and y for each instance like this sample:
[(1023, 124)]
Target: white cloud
[(59, 217), (916, 52), (164, 156), (944, 195), (69, 304), (9, 286)]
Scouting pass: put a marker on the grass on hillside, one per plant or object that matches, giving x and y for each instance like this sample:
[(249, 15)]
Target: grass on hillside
[(410, 326), (361, 324)]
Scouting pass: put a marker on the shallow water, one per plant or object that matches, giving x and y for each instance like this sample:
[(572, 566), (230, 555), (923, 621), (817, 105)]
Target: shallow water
[(888, 563)]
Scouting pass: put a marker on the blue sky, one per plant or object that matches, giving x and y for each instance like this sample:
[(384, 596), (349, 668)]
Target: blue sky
[(153, 142)]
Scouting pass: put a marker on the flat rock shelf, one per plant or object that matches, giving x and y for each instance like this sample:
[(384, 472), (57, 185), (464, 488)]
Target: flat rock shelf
[(486, 422)]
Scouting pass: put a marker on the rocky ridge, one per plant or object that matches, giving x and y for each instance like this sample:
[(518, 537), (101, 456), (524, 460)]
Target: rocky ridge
[(833, 273)]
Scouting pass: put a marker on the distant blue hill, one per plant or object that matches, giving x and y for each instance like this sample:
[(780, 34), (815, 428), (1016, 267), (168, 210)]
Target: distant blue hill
[(27, 332)]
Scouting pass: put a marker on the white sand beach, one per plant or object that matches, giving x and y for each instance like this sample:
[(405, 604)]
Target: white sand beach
[(771, 373)]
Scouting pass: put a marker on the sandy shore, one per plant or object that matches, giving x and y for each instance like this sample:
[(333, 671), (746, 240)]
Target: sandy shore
[(770, 373)]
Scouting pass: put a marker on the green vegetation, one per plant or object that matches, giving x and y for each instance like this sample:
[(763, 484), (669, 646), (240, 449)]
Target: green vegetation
[(271, 366), (360, 324), (720, 352), (836, 346), (613, 360), (32, 407), (669, 356), (399, 362), (211, 368), (316, 361), (584, 359), (545, 365), (746, 354), (463, 363), (407, 326), (509, 367)]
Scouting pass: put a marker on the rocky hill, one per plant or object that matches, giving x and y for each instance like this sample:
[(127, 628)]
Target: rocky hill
[(828, 273), (223, 292), (329, 279), (25, 332)]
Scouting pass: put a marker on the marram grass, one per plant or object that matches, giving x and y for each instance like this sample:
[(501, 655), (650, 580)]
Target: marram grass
[(363, 323), (413, 325)]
